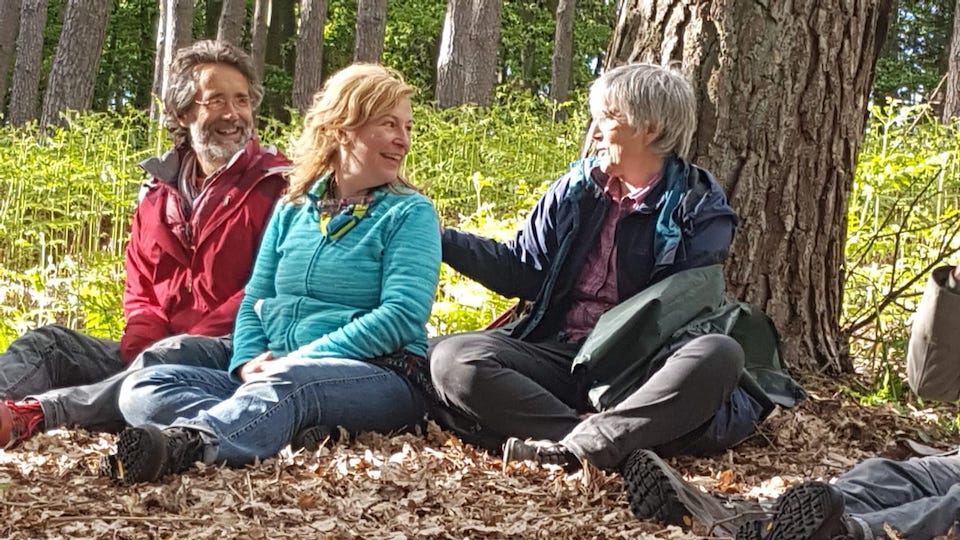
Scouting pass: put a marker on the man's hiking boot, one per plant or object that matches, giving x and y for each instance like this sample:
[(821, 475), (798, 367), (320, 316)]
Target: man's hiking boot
[(542, 452), (19, 420), (146, 453), (657, 492), (313, 438), (652, 494), (807, 511)]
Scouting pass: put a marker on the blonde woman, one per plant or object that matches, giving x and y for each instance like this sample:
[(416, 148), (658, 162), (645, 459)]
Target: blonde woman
[(335, 310)]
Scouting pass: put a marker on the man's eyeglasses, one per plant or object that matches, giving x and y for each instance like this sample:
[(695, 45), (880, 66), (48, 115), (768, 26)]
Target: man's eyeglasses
[(218, 103)]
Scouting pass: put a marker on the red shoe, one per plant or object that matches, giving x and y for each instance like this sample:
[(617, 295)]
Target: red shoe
[(19, 420)]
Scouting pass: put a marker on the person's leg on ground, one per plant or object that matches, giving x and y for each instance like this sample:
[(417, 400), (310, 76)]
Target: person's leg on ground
[(53, 357), (684, 395), (95, 406), (919, 497), (43, 359), (263, 415), (511, 387)]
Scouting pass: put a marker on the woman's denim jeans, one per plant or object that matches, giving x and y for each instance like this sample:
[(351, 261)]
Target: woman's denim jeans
[(243, 422)]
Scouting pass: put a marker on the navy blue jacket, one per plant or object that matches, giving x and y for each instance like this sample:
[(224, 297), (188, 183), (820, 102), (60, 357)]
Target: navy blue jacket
[(684, 222)]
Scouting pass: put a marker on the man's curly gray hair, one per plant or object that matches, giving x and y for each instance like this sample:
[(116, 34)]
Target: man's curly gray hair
[(182, 88)]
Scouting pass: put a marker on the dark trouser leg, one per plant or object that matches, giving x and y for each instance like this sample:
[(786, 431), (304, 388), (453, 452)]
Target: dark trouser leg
[(94, 406), (53, 357), (513, 388), (677, 400), (920, 497)]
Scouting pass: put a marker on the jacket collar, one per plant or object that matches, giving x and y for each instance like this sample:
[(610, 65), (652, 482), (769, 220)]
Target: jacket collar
[(166, 168)]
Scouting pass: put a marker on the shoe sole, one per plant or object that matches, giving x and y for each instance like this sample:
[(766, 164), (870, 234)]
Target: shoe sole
[(807, 512), (140, 457), (313, 438), (652, 495)]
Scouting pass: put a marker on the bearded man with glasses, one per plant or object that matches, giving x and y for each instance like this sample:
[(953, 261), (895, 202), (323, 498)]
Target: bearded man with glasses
[(193, 239)]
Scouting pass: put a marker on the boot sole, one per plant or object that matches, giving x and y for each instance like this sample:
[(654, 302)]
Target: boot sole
[(811, 511), (651, 492), (141, 456)]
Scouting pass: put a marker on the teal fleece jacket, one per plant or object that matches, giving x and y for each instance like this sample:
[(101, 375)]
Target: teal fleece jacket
[(361, 295)]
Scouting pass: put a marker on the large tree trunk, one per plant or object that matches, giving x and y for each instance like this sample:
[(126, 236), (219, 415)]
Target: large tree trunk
[(467, 63), (232, 18), (308, 75), (371, 25), (74, 70), (951, 100), (261, 22), (782, 94), (9, 27), (562, 63), (26, 70)]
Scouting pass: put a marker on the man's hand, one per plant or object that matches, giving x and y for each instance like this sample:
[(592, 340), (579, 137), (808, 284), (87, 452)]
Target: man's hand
[(253, 368)]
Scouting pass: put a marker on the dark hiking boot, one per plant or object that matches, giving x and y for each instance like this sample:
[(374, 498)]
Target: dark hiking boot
[(807, 511), (657, 492), (19, 420), (542, 452), (313, 438), (146, 453)]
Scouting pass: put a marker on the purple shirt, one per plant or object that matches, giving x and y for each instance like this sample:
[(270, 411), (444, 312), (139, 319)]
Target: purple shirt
[(596, 289)]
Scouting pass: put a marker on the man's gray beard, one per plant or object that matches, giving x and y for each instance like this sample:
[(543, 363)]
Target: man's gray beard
[(214, 151)]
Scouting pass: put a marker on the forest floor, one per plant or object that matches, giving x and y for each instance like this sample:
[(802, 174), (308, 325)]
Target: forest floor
[(430, 487)]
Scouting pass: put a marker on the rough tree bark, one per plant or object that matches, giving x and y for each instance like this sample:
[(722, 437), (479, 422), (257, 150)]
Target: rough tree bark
[(467, 63), (73, 72), (782, 93), (9, 27), (24, 94), (232, 18), (951, 100), (308, 73), (261, 22), (371, 25), (562, 62)]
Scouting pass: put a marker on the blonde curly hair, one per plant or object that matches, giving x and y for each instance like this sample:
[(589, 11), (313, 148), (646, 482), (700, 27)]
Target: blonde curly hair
[(347, 101)]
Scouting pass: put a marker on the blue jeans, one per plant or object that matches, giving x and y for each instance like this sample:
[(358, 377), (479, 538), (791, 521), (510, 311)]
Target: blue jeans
[(920, 497), (241, 422)]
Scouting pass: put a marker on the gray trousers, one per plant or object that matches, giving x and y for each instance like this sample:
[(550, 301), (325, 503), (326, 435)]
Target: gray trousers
[(77, 384), (919, 497), (519, 389), (54, 357)]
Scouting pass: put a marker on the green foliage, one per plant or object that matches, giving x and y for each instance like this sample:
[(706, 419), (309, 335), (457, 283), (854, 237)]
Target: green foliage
[(914, 57), (902, 222), (66, 199)]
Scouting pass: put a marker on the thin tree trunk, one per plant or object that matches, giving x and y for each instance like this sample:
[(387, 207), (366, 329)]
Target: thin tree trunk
[(562, 62), (261, 22), (178, 33), (24, 95), (467, 63), (782, 93), (73, 73), (159, 63), (307, 75), (951, 100), (211, 16), (9, 27), (371, 25), (232, 18)]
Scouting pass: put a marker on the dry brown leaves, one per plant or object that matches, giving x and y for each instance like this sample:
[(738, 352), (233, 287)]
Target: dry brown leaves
[(422, 487)]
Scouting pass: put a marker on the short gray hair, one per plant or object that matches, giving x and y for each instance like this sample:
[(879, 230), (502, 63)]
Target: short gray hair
[(648, 95), (183, 80)]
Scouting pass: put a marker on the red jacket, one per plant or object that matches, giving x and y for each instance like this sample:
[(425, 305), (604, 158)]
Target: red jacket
[(187, 276)]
